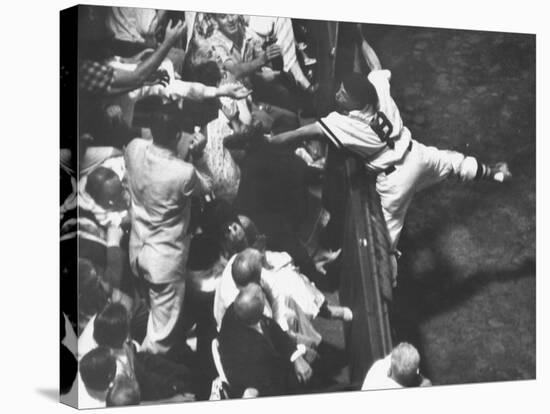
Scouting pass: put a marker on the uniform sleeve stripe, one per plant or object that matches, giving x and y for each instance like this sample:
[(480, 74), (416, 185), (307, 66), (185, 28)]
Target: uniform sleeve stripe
[(330, 134)]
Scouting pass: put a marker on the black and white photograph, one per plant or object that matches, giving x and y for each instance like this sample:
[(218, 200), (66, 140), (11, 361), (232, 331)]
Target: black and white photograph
[(255, 206)]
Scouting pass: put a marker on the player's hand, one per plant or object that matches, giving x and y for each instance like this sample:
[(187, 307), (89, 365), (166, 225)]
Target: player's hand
[(303, 370), (234, 90), (173, 32)]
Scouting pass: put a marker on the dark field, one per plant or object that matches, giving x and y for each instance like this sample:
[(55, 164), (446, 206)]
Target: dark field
[(466, 290)]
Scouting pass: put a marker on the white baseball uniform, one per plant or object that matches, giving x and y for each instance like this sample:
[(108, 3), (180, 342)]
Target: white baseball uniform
[(402, 170)]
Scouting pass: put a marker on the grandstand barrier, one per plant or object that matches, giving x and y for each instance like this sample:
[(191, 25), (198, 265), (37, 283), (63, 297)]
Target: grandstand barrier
[(365, 276)]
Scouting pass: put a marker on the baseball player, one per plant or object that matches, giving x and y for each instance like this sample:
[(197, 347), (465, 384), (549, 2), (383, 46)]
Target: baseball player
[(368, 123)]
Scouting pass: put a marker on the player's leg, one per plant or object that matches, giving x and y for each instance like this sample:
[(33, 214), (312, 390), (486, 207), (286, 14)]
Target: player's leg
[(396, 191), (439, 164)]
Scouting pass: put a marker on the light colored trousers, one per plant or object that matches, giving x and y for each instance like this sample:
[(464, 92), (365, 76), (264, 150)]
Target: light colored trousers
[(421, 167), (165, 324)]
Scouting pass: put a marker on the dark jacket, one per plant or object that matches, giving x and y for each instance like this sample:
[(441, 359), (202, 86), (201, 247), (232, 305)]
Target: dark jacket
[(252, 359)]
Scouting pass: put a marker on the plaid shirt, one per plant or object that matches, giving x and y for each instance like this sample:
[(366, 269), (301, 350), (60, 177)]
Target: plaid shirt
[(95, 77)]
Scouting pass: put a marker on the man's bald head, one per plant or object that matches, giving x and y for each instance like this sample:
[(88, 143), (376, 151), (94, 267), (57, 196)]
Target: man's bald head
[(249, 304), (104, 186), (247, 267)]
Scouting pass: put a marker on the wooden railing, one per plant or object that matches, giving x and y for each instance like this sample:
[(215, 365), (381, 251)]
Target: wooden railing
[(365, 279)]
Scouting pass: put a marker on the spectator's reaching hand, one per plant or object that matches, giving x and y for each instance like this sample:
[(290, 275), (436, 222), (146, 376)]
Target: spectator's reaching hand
[(234, 90), (160, 76), (324, 257), (174, 32)]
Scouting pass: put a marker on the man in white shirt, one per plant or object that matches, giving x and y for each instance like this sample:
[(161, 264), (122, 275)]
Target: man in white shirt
[(397, 370)]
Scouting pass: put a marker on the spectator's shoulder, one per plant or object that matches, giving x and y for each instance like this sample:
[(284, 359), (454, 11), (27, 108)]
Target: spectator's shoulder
[(136, 144), (187, 169)]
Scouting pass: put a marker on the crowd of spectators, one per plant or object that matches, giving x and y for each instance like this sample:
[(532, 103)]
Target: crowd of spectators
[(188, 193), (191, 263)]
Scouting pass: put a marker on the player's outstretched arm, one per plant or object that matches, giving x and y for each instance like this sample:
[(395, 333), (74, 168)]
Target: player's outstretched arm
[(296, 136), (370, 56)]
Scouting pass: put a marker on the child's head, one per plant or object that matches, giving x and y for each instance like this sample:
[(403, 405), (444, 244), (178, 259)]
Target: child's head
[(111, 326)]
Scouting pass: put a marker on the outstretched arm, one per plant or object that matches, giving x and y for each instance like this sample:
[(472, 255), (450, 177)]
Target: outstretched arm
[(198, 92), (368, 52), (305, 133), (125, 80)]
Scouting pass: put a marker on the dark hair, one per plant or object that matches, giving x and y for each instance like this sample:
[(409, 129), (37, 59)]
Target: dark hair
[(216, 216), (207, 73), (204, 251), (166, 120), (124, 391), (360, 89), (164, 126), (111, 327), (98, 368)]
